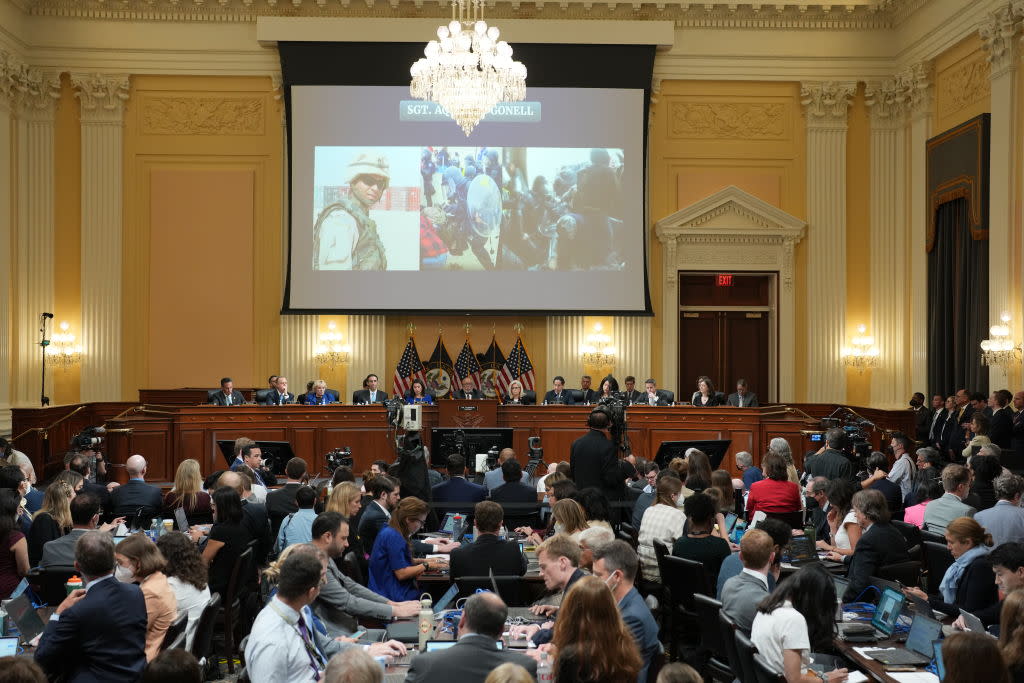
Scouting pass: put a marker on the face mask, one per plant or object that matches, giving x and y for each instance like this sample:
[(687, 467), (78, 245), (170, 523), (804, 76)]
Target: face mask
[(559, 528), (610, 585), (124, 575)]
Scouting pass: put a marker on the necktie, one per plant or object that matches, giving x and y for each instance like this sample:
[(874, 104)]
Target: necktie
[(651, 399), (311, 651), (741, 401), (229, 399)]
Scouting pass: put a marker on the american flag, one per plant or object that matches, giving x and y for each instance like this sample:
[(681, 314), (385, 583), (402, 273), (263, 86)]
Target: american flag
[(518, 366), (409, 368), (466, 365)]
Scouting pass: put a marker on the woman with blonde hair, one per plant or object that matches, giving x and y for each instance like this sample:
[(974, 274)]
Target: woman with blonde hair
[(188, 493), (516, 394), (346, 500), (969, 583), (509, 672), (569, 518), (53, 519), (586, 654), (140, 561)]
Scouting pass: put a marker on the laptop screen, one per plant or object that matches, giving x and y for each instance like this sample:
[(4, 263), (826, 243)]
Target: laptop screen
[(435, 645), (730, 521), (446, 599), (923, 630), (8, 647), (448, 525), (182, 520), (29, 624), (888, 611), (800, 549)]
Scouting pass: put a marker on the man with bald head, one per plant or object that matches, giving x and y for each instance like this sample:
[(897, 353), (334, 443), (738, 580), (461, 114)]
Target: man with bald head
[(254, 515), (494, 478), (136, 501)]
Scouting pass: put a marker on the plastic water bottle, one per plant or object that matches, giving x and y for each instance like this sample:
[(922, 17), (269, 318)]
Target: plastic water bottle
[(544, 672), (503, 533), (154, 530), (426, 621)]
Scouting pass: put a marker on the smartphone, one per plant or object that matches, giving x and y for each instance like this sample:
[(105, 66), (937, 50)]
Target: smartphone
[(358, 634)]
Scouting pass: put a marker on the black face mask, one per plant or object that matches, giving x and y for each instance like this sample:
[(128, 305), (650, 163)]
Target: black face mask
[(914, 403)]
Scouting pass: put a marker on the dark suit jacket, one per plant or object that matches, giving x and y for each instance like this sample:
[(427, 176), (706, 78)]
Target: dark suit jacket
[(642, 625), (256, 521), (644, 401), (957, 440), (371, 522), (829, 464), (633, 396), (99, 491), (458, 490), (935, 424), (749, 401), (34, 500), (1017, 441), (564, 398), (127, 499), (273, 398), (714, 399), (514, 492), (219, 399), (1000, 430), (880, 545), (593, 462), (474, 395), (363, 396), (587, 395), (471, 659), (949, 429), (485, 554), (922, 422), (101, 639), (281, 503), (975, 590), (893, 495)]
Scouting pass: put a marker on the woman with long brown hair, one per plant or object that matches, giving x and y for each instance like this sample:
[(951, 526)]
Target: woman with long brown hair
[(590, 655), (970, 657), (393, 570), (1011, 634)]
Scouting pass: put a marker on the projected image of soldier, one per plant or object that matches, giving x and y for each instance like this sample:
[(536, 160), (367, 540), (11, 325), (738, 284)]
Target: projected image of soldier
[(427, 170), (344, 235)]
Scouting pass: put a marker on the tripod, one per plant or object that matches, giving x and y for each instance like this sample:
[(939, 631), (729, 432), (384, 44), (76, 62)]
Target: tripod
[(44, 400)]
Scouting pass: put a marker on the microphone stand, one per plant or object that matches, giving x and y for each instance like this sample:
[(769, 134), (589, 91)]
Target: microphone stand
[(44, 400)]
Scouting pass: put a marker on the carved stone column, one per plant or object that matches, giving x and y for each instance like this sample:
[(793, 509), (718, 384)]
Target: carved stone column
[(6, 273), (102, 98), (919, 104), (826, 105), (34, 112), (565, 334), (999, 33), (631, 334), (367, 334), (887, 270), (298, 341)]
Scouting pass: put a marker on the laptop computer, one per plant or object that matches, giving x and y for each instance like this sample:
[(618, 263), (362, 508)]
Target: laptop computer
[(409, 631), (8, 647), (882, 624), (973, 623), (447, 524), (181, 519), (21, 612), (918, 651), (801, 551)]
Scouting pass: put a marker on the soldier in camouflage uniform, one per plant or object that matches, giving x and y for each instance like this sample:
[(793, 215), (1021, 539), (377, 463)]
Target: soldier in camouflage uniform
[(344, 235)]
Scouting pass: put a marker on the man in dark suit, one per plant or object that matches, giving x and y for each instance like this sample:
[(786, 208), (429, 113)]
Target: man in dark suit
[(476, 653), (468, 390), (487, 553), (1000, 428), (370, 393), (1017, 438), (587, 395), (632, 395), (377, 512), (881, 544), (831, 463), (281, 502), (616, 564), (98, 634), (817, 490), (922, 416), (937, 420), (280, 395), (137, 501), (457, 489), (878, 471), (513, 490), (254, 514), (962, 414), (592, 457), (743, 398), (250, 457), (227, 396), (652, 396), (558, 393), (79, 463)]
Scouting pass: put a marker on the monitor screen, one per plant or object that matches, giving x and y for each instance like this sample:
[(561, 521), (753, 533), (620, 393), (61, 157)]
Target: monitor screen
[(715, 449)]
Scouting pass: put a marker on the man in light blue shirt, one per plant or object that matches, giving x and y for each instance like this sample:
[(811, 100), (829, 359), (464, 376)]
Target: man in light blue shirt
[(298, 526), (1005, 520)]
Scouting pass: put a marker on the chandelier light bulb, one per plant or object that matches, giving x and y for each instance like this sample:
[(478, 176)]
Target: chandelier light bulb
[(1005, 316)]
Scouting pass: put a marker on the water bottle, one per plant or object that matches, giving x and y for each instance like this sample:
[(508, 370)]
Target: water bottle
[(426, 621), (3, 619), (544, 672), (154, 530), (503, 533)]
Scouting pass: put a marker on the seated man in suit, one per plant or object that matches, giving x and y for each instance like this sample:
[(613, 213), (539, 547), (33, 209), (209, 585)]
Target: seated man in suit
[(881, 543), (956, 482), (377, 512), (652, 396), (227, 396), (487, 552), (476, 653), (457, 489), (85, 516), (743, 398), (616, 564), (468, 390), (254, 513), (632, 395), (137, 501), (495, 478), (281, 502), (251, 458), (558, 394), (588, 394), (741, 593), (98, 633), (513, 490), (280, 395), (370, 393)]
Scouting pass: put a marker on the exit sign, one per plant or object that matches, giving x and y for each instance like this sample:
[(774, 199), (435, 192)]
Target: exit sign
[(723, 280)]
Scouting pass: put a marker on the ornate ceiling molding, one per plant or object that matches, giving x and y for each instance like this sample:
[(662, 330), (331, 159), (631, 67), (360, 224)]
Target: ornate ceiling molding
[(850, 14)]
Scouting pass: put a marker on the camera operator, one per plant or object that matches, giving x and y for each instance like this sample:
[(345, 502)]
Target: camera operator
[(832, 462), (87, 444), (594, 462)]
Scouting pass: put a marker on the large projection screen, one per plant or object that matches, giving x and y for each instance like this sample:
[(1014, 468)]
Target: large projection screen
[(393, 208)]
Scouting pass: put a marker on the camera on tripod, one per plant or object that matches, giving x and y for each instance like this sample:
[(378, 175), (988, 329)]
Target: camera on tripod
[(339, 457), (89, 439)]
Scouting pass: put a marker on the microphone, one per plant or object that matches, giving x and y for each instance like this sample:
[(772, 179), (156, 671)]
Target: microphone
[(47, 315)]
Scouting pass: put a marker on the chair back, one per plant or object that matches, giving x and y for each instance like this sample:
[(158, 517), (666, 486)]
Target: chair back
[(912, 534), (509, 588), (727, 630), (933, 537), (683, 578), (765, 674), (175, 635), (210, 394), (908, 573), (794, 519), (202, 643), (746, 650), (630, 529), (351, 568), (48, 583), (710, 638), (669, 396), (937, 559), (627, 537)]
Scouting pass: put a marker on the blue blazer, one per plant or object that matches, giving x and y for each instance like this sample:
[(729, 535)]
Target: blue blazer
[(101, 639), (312, 400), (640, 621)]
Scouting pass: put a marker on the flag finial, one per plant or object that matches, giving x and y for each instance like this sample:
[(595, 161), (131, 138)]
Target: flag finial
[(411, 327), (518, 327)]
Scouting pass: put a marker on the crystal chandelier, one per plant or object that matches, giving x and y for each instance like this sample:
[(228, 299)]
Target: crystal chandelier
[(62, 352), (862, 353), (467, 70), (597, 348), (1000, 350), (330, 351)]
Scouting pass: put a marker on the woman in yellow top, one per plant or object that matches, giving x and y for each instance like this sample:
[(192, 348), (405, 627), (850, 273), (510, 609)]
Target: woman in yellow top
[(140, 561)]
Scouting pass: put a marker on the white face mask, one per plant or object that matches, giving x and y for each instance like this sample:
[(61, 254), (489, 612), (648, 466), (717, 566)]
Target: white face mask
[(559, 528), (123, 574)]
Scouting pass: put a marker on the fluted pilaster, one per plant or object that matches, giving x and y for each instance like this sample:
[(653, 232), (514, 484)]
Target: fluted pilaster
[(35, 105), (999, 35), (298, 341), (367, 334), (565, 334), (826, 105), (102, 99), (920, 112), (631, 335), (6, 272)]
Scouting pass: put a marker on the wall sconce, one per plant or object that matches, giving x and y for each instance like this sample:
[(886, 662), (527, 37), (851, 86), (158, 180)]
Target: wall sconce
[(597, 348), (331, 351), (1000, 350), (62, 352), (861, 353)]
